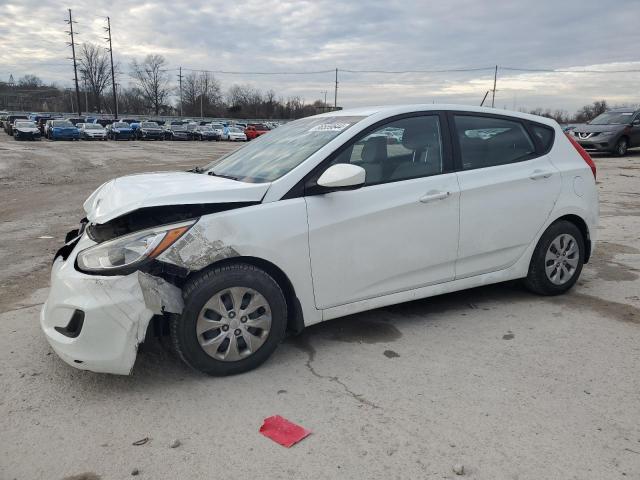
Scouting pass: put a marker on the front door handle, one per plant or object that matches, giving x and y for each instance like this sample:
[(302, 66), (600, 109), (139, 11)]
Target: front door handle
[(539, 174), (432, 196)]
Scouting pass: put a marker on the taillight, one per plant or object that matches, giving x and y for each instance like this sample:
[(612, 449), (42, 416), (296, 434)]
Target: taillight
[(583, 153)]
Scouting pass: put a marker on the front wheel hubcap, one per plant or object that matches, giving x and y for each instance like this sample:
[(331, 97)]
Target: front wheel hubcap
[(233, 324), (562, 258)]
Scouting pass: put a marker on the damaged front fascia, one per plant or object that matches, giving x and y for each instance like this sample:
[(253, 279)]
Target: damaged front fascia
[(195, 250), (150, 217)]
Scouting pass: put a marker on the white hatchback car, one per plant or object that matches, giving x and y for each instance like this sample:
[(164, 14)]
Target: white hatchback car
[(324, 217)]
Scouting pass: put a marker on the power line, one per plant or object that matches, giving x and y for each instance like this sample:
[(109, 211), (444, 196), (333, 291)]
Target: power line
[(551, 70)]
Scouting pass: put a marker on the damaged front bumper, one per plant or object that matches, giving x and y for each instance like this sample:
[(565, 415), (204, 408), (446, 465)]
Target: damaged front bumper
[(97, 322)]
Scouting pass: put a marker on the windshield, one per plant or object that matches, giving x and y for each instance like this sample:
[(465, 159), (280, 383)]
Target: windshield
[(25, 125), (120, 125), (217, 125), (271, 156), (205, 128), (92, 126), (235, 130), (62, 123), (612, 118), (178, 128), (149, 125)]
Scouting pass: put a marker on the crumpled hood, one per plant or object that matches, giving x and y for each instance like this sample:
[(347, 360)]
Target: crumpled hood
[(132, 192)]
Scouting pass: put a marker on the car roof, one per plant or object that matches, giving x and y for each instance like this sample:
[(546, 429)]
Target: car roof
[(384, 111), (623, 110)]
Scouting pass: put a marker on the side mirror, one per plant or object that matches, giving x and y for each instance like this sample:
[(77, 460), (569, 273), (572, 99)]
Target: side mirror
[(342, 176), (636, 122)]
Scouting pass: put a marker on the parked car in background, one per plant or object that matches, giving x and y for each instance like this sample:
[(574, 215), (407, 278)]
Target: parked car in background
[(75, 121), (149, 131), (254, 130), (219, 128), (9, 121), (41, 122), (177, 132), (235, 134), (79, 127), (613, 131), (93, 131), (348, 223), (61, 130), (25, 130), (205, 132), (119, 131), (103, 121), (3, 117)]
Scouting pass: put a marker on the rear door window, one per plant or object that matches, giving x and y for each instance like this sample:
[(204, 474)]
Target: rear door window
[(488, 141)]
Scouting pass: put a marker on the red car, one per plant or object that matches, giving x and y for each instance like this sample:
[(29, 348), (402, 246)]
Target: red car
[(255, 130)]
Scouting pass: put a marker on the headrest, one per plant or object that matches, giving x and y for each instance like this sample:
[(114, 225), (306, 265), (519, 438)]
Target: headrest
[(416, 136), (374, 150)]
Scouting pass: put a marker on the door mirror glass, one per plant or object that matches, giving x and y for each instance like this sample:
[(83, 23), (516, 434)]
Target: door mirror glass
[(342, 175), (636, 122)]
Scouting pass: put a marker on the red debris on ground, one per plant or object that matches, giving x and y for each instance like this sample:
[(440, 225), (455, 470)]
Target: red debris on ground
[(282, 431)]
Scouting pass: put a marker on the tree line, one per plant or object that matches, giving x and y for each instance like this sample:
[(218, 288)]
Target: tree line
[(151, 91)]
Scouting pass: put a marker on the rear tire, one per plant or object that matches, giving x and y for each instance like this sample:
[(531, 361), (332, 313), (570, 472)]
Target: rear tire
[(210, 304), (557, 261)]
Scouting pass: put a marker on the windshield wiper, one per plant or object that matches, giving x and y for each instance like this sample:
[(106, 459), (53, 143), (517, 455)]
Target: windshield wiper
[(230, 177)]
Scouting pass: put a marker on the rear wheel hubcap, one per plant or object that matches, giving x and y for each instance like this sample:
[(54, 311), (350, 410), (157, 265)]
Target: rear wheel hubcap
[(233, 324), (562, 258)]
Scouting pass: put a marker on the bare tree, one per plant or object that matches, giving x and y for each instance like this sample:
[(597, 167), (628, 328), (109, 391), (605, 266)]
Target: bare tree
[(30, 81), (153, 80), (94, 67), (201, 92)]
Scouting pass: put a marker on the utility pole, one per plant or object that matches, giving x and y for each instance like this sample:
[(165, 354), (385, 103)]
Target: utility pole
[(335, 93), (493, 95), (201, 116), (75, 65), (180, 82), (113, 75), (325, 99), (86, 97)]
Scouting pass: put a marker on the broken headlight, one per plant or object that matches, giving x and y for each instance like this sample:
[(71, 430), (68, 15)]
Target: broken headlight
[(129, 250)]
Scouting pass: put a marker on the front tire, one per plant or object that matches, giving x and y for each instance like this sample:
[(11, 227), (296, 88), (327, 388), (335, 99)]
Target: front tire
[(557, 260), (621, 147), (233, 319)]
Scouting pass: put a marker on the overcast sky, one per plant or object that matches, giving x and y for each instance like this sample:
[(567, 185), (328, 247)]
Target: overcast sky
[(276, 35)]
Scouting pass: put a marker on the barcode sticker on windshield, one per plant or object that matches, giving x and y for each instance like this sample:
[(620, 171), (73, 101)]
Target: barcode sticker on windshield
[(329, 127)]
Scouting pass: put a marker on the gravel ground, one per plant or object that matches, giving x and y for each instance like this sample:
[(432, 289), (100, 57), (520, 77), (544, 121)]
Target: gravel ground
[(504, 383)]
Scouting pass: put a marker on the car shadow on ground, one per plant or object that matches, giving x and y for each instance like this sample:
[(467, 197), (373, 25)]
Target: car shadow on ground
[(382, 325)]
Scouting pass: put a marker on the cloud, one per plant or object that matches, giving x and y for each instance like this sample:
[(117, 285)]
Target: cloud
[(274, 35)]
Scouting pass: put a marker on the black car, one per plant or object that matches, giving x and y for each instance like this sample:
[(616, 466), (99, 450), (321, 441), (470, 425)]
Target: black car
[(26, 130), (177, 132), (205, 132), (8, 123), (613, 131), (149, 131)]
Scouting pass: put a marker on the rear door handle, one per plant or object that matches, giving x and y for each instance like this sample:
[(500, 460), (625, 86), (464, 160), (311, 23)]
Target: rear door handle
[(433, 196), (539, 174)]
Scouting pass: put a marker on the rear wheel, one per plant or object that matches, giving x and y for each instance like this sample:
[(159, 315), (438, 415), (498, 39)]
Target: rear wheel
[(234, 318), (557, 260)]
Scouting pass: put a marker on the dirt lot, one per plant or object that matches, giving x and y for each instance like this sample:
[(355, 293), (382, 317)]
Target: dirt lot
[(510, 385)]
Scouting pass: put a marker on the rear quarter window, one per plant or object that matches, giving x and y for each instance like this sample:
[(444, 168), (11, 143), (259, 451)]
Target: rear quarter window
[(544, 135)]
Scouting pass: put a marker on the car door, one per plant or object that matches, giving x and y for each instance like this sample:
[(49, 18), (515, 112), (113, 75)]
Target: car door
[(397, 232), (635, 131), (508, 188)]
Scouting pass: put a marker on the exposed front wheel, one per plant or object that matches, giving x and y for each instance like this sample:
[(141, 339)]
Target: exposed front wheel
[(557, 260), (233, 319), (621, 147)]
